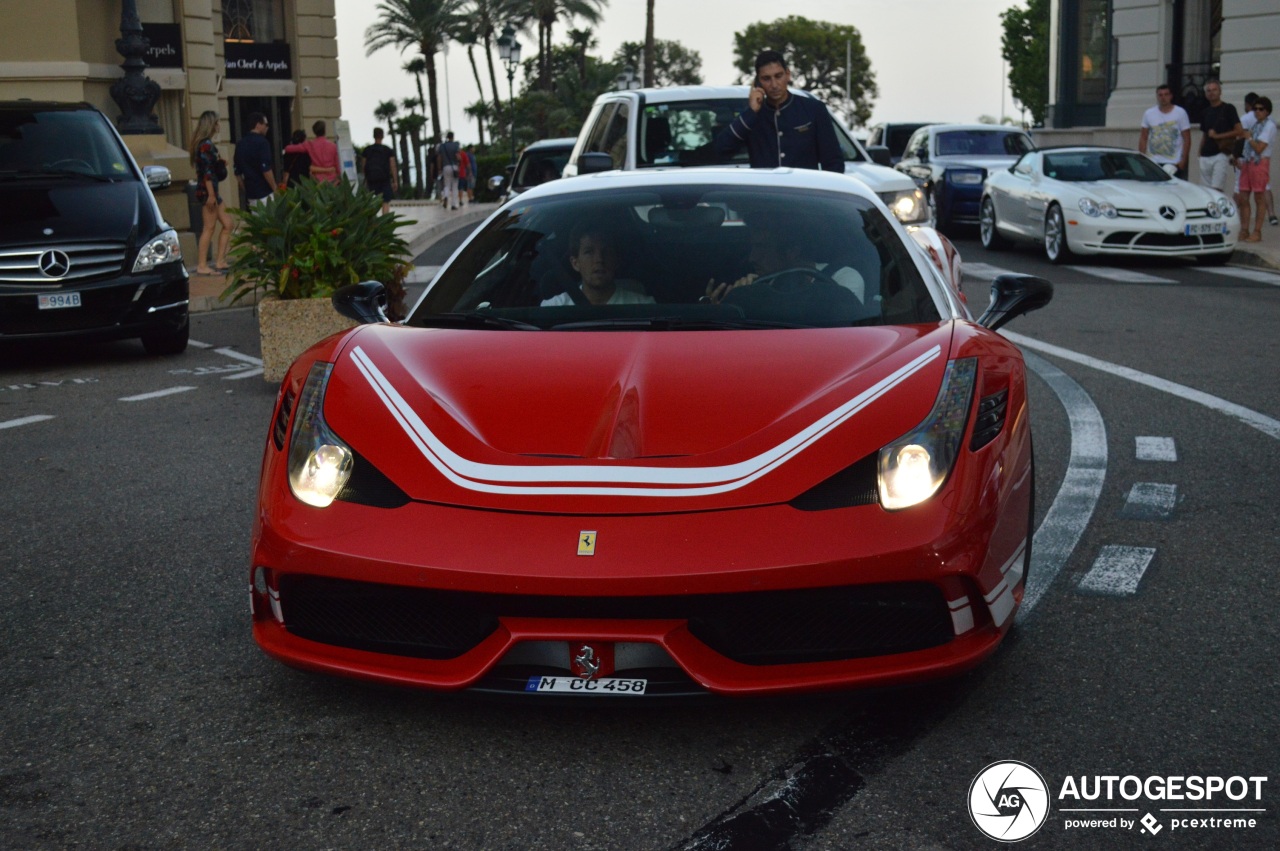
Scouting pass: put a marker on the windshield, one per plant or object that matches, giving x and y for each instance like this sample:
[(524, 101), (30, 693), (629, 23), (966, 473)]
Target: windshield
[(540, 166), (1085, 166), (982, 143), (682, 134), (34, 142), (683, 257)]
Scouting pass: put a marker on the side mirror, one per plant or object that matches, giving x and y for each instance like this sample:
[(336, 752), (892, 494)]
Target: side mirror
[(594, 163), (1012, 296), (880, 155), (365, 302), (158, 177), (495, 182)]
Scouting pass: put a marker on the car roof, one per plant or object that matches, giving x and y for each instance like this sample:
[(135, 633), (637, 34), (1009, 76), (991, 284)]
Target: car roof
[(563, 142), (942, 128), (727, 176), (676, 94)]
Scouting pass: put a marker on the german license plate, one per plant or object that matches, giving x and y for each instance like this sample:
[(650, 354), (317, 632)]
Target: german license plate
[(611, 686), (1202, 228), (53, 301)]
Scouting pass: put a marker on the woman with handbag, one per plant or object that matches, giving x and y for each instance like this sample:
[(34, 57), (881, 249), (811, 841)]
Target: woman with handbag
[(210, 171)]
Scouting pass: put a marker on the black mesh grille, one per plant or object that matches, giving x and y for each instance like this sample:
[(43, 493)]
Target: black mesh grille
[(991, 416), (281, 430), (760, 628)]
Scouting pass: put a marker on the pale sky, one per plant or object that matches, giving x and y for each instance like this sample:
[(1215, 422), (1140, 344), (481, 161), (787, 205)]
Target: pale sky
[(934, 60)]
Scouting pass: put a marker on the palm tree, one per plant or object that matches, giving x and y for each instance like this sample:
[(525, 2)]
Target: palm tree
[(413, 124), (547, 12), (466, 32), (385, 112), (487, 18), (417, 67), (649, 53), (423, 24)]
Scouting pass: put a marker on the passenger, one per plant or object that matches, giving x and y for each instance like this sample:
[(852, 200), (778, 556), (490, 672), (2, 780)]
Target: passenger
[(593, 253)]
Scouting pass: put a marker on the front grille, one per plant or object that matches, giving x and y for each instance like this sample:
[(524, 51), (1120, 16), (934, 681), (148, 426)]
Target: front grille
[(991, 417), (100, 307), (758, 628), (1134, 239), (87, 261)]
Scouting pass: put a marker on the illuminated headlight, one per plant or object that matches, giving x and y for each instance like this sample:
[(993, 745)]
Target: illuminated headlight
[(965, 178), (319, 462), (165, 248), (1225, 206), (1090, 207), (908, 205), (914, 467)]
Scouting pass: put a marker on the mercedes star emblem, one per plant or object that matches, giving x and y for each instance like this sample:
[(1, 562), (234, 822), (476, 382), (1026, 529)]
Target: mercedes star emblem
[(54, 264), (1167, 212)]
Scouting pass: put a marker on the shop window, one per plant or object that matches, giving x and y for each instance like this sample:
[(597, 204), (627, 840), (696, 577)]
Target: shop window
[(253, 21)]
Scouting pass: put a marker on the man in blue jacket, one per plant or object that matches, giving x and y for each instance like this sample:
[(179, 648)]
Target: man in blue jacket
[(253, 165), (780, 129)]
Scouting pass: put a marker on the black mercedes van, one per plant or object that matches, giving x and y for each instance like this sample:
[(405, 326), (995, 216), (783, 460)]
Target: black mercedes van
[(84, 249)]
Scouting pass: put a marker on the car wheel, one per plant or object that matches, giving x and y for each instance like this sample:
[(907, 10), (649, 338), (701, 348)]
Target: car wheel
[(168, 341), (991, 238), (1214, 259), (1055, 236)]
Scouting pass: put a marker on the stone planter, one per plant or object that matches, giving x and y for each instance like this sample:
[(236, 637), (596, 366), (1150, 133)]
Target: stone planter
[(290, 327)]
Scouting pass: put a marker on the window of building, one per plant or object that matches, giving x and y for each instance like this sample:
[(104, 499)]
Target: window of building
[(253, 20)]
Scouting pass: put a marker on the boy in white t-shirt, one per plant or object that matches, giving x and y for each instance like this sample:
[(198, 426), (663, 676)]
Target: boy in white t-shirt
[(1166, 132)]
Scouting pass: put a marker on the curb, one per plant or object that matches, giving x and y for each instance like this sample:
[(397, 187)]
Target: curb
[(423, 239), (1244, 255)]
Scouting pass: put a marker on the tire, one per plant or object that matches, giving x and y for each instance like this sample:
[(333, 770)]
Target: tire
[(1214, 259), (168, 341), (992, 240), (1055, 236)]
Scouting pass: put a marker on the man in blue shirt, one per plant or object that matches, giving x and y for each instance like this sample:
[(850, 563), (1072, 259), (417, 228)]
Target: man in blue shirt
[(253, 161), (780, 129)]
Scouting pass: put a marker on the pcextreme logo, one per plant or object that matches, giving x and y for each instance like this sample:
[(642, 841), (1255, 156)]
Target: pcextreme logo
[(1009, 801)]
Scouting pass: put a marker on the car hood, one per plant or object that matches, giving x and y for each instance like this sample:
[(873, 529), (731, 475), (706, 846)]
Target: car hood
[(625, 421), (55, 211), (1148, 196), (879, 178)]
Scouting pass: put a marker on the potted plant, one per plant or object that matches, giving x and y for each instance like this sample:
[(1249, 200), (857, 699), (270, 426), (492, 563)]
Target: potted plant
[(300, 246)]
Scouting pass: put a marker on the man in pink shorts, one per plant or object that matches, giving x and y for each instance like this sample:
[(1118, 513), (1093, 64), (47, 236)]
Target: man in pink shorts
[(1255, 170)]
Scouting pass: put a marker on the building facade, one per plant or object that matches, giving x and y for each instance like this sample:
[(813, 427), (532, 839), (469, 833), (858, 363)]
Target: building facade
[(1108, 56), (278, 57)]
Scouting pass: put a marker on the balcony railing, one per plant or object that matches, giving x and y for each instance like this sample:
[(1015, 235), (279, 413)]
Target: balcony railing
[(1187, 81)]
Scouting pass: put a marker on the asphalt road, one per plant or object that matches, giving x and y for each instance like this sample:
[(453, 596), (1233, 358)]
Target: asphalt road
[(138, 713)]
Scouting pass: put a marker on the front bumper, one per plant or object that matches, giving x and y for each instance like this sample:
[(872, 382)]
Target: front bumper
[(1087, 238), (120, 306)]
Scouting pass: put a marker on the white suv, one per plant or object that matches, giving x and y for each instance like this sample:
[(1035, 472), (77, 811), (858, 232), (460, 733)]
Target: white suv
[(676, 128)]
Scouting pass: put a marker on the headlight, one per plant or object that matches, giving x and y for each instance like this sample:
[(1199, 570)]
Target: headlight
[(965, 178), (1212, 210), (1226, 207), (165, 248), (908, 205), (913, 467), (319, 462), (1090, 207)]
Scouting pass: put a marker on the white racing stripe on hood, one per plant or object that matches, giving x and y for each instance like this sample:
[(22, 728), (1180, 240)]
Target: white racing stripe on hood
[(614, 480)]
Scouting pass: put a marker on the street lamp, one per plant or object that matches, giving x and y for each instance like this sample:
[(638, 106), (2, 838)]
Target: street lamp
[(509, 53), (627, 79)]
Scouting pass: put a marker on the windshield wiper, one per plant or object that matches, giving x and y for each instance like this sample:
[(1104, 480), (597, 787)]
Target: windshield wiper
[(27, 173), (674, 323), (478, 320)]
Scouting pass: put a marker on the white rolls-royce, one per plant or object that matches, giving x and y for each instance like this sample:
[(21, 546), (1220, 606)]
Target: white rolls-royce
[(1093, 200)]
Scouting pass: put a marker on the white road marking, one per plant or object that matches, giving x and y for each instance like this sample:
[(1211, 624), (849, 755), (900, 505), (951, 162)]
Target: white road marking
[(1263, 423), (249, 373), (199, 345), (1150, 501), (1124, 276), (227, 351), (1117, 571), (156, 394), (983, 272), (1072, 508), (1247, 274), (1156, 449), (35, 418)]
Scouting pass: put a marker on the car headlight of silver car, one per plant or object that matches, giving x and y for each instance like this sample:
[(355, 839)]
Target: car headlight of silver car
[(914, 467), (908, 205), (165, 248), (1093, 208), (319, 462)]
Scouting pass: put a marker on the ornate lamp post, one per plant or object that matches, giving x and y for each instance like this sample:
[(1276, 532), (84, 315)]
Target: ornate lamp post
[(136, 94), (509, 53)]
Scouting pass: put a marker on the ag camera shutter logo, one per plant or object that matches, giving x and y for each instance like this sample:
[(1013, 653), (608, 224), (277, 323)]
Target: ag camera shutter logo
[(1008, 801)]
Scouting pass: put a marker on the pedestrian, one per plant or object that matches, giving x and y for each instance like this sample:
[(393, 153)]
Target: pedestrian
[(465, 175), (1255, 169), (380, 170), (1247, 122), (780, 129), (447, 154), (472, 175), (297, 165), (323, 153), (1166, 132), (210, 171), (253, 167), (1220, 127)]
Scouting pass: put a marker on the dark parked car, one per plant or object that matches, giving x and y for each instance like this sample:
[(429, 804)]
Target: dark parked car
[(84, 249), (539, 163), (892, 136)]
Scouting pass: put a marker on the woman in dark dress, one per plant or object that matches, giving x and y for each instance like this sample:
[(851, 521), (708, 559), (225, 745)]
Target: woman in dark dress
[(210, 171)]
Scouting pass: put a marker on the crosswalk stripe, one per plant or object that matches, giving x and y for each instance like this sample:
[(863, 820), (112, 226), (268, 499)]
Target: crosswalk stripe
[(1156, 449), (1124, 276), (1150, 501), (36, 418), (1117, 571), (1247, 274), (155, 394)]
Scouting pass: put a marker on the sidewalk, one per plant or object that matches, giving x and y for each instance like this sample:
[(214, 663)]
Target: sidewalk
[(430, 222)]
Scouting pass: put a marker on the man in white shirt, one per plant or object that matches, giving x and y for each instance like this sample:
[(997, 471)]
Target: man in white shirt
[(1166, 132), (593, 253)]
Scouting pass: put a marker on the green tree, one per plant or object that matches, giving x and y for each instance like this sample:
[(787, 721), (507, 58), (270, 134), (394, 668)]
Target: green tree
[(423, 24), (546, 13), (1025, 46), (386, 112), (675, 64), (815, 53)]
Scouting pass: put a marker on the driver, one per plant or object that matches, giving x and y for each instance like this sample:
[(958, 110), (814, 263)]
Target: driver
[(770, 252), (593, 253)]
